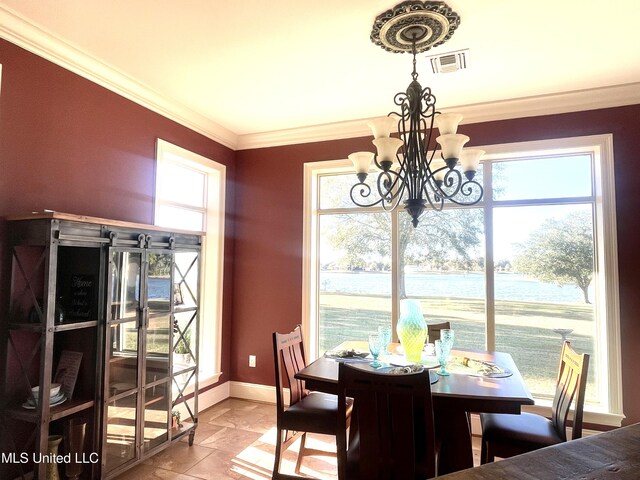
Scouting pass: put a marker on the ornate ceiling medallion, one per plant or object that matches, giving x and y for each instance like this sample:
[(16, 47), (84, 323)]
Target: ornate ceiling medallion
[(430, 23)]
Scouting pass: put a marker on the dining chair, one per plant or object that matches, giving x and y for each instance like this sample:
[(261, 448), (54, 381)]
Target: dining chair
[(433, 330), (313, 412), (392, 426), (505, 435)]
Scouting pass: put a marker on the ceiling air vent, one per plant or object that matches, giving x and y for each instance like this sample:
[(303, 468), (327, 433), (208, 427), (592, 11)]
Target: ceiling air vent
[(449, 62)]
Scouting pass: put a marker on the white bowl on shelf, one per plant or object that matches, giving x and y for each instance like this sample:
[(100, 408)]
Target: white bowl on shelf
[(55, 389)]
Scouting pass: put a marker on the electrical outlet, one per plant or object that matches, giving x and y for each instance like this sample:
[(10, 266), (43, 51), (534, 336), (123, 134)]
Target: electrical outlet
[(252, 361)]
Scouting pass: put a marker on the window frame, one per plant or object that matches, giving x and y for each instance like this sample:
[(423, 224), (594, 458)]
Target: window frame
[(610, 411), (212, 255)]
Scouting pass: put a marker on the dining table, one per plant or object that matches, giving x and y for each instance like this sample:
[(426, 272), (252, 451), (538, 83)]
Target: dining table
[(455, 396), (613, 455)]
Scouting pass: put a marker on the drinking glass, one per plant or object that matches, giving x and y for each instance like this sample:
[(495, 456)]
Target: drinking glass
[(374, 348), (443, 349), (447, 335), (384, 332)]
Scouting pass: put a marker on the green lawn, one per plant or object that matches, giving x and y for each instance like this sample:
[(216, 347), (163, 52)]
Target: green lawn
[(523, 329)]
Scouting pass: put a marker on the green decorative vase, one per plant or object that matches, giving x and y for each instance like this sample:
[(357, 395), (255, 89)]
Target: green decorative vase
[(411, 329)]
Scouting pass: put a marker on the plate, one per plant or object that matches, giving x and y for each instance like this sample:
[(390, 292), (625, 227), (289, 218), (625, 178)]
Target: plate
[(57, 400), (346, 354)]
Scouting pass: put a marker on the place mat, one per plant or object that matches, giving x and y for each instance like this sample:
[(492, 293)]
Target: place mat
[(471, 366), (346, 354), (400, 361), (411, 368)]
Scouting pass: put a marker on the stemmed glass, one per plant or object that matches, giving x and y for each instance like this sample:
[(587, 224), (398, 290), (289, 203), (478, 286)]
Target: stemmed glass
[(447, 336), (443, 349), (385, 338), (374, 348)]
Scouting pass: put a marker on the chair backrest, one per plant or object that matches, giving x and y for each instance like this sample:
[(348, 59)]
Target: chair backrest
[(434, 330), (288, 353), (394, 415), (571, 384)]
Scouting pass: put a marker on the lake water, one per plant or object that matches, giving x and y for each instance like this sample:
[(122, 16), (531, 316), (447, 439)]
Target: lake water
[(462, 285)]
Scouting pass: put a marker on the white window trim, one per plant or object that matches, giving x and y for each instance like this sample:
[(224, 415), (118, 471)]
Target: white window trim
[(606, 268), (212, 257)]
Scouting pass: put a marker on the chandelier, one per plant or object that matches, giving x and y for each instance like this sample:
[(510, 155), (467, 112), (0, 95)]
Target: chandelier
[(410, 169)]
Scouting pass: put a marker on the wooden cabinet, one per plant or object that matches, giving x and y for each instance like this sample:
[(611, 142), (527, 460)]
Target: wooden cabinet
[(111, 308)]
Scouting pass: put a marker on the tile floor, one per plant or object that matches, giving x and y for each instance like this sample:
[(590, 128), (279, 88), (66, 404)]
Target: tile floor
[(235, 439)]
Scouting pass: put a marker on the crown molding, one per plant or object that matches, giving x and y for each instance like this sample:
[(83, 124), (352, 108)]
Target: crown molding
[(36, 40), (574, 101)]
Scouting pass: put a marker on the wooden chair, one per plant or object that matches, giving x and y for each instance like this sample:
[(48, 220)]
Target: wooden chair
[(505, 435), (392, 425), (313, 412), (434, 331)]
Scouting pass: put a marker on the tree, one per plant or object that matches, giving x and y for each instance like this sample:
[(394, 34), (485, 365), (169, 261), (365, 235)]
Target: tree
[(440, 237), (159, 265), (560, 252)]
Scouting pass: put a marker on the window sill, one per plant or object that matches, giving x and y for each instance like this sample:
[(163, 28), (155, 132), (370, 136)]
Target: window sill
[(208, 378), (591, 414)]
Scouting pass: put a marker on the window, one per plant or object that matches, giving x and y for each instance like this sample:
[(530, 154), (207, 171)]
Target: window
[(533, 263), (190, 194)]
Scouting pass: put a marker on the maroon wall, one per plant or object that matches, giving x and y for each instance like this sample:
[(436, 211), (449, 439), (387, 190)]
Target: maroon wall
[(69, 145), (268, 256)]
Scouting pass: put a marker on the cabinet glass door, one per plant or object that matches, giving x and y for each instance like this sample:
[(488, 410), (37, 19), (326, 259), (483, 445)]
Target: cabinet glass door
[(123, 369), (124, 322), (121, 431), (156, 415), (158, 332), (126, 271)]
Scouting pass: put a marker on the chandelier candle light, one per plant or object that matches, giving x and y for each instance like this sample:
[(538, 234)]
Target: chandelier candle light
[(416, 175)]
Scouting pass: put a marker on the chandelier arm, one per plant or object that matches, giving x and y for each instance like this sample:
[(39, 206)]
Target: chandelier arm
[(447, 181), (386, 185), (425, 169), (466, 189), (437, 203), (365, 191), (392, 199), (452, 179), (391, 205)]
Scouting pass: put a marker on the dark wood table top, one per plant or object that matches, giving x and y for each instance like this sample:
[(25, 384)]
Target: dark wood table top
[(453, 397), (483, 392), (611, 455)]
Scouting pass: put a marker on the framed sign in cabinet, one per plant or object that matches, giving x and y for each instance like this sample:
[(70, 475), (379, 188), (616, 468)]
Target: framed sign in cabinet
[(100, 343)]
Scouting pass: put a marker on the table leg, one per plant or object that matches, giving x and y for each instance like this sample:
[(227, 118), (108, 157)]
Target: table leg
[(453, 430)]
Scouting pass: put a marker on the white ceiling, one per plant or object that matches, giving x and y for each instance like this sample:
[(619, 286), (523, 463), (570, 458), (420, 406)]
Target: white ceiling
[(252, 67)]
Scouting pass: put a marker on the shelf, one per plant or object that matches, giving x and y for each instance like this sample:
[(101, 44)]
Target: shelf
[(55, 413), (180, 431), (61, 327), (69, 408), (185, 309)]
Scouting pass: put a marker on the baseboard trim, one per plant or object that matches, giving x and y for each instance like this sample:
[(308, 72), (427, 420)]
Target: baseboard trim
[(212, 396), (253, 391)]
